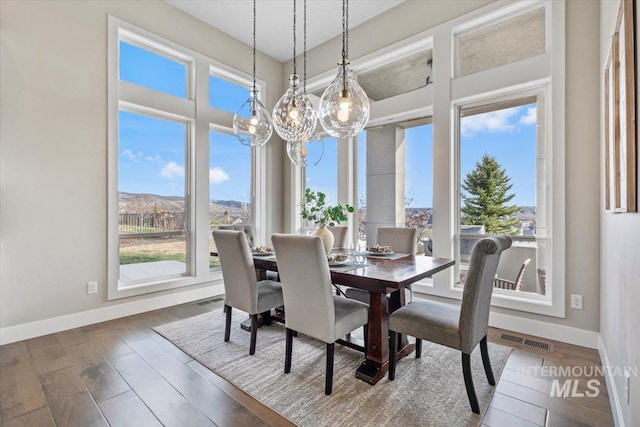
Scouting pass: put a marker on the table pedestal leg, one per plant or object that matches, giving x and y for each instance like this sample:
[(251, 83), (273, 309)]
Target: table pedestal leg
[(376, 363)]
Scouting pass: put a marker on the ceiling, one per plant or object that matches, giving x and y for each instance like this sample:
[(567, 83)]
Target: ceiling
[(274, 27)]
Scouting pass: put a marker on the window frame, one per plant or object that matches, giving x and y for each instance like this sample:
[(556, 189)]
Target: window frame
[(440, 101), (201, 118)]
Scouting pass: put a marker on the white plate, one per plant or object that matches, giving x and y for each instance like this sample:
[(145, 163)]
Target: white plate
[(338, 263), (378, 253)]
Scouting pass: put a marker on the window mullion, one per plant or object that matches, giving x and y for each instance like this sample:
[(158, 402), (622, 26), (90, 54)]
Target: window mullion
[(200, 163), (149, 101)]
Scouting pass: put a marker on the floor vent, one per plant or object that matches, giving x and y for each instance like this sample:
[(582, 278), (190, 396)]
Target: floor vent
[(526, 342), (209, 301), (510, 338)]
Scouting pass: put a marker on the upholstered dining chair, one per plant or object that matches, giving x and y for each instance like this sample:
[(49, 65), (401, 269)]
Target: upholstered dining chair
[(339, 235), (246, 229), (310, 307), (401, 240), (241, 288), (513, 285), (459, 328)]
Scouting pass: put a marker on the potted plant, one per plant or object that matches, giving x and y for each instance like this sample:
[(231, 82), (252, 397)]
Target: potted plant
[(316, 210)]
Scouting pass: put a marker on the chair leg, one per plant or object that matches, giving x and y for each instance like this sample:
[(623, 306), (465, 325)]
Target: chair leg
[(266, 317), (288, 351), (328, 382), (393, 354), (468, 382), (486, 362), (254, 334), (418, 348), (227, 324), (366, 333)]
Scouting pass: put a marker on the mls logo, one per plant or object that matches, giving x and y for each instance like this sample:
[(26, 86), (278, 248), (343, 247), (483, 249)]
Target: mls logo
[(567, 389)]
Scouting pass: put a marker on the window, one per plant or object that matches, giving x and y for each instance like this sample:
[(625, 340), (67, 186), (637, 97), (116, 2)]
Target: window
[(152, 70), (152, 206), (489, 63), (226, 95), (163, 199), (501, 191), (229, 184), (324, 176), (418, 205), (500, 43)]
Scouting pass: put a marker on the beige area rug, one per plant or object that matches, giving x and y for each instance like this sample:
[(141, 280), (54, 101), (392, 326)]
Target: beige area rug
[(426, 392)]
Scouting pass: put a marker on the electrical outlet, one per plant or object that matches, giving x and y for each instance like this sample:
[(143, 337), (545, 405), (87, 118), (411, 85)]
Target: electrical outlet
[(92, 288), (576, 302), (627, 383)]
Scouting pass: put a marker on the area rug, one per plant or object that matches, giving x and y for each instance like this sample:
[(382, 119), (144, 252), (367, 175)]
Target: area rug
[(426, 392)]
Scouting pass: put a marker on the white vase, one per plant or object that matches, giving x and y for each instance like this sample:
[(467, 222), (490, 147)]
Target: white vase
[(327, 238)]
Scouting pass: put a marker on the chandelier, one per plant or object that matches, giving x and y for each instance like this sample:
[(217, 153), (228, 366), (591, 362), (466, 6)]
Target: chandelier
[(344, 106), (294, 117), (252, 124)]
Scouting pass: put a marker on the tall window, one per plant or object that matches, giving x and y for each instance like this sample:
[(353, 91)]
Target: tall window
[(361, 188), (418, 205), (324, 176), (163, 198), (501, 191), (152, 206)]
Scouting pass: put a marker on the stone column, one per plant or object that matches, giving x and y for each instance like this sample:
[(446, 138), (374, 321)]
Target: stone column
[(385, 179)]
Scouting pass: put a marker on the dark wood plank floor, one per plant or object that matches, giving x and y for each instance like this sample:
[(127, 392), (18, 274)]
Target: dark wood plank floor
[(121, 373)]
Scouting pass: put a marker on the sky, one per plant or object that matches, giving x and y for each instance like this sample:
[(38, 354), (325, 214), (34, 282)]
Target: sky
[(152, 151)]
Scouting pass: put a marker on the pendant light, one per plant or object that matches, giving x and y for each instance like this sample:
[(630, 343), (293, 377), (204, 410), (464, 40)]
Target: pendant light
[(344, 106), (252, 124), (308, 153), (294, 117)]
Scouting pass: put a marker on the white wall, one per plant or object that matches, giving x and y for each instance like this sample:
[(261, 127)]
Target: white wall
[(619, 259), (54, 149)]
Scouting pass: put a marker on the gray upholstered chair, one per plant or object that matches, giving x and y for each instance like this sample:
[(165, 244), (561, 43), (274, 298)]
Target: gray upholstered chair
[(242, 290), (459, 328), (401, 240), (339, 235), (246, 229), (310, 307), (513, 285)]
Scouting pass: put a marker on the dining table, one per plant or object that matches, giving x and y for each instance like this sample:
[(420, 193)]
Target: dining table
[(385, 278)]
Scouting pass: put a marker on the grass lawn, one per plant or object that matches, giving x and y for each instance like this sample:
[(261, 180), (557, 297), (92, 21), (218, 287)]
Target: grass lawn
[(141, 251)]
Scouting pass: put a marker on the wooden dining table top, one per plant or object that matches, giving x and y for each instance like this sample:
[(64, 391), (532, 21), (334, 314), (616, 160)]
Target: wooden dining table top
[(378, 274)]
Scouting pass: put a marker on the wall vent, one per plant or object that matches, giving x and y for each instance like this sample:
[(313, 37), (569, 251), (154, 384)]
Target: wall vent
[(525, 342)]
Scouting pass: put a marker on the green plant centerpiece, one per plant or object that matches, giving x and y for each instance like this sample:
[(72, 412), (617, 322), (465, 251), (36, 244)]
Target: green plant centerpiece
[(316, 210)]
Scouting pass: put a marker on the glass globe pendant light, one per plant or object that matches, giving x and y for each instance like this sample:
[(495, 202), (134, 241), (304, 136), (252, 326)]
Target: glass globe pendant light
[(252, 124), (344, 106), (306, 154), (294, 117)]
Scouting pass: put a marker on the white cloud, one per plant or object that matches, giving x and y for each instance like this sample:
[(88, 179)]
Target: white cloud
[(531, 117), (131, 155), (217, 175), (156, 158), (172, 170), (494, 121)]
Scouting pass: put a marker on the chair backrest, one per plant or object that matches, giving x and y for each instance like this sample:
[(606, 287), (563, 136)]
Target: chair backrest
[(339, 235), (238, 272), (520, 276), (478, 286), (306, 285), (542, 281), (246, 229), (401, 240)]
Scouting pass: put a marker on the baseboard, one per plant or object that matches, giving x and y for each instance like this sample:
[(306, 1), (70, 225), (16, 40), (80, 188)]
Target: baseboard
[(614, 400), (62, 323), (552, 331)]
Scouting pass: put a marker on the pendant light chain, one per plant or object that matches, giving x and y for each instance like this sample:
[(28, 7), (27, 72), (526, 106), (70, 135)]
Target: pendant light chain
[(294, 38), (254, 47)]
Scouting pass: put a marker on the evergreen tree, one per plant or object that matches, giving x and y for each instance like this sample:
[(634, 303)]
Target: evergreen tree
[(485, 202)]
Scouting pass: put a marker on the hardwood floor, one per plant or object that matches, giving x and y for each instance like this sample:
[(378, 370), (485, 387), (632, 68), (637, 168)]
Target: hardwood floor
[(121, 373)]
